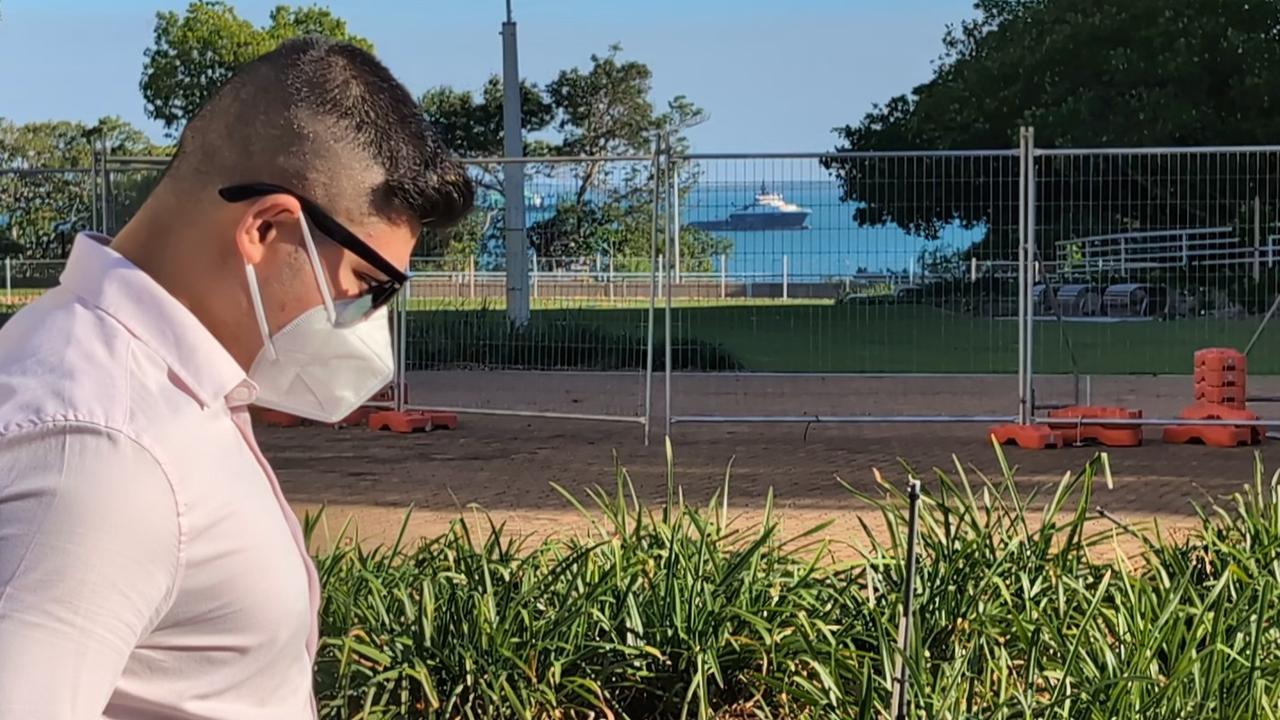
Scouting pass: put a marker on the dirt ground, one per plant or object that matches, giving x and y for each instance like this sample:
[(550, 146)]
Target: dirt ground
[(506, 465)]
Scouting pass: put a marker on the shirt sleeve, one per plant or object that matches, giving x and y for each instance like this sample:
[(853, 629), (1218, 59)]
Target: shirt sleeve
[(89, 558)]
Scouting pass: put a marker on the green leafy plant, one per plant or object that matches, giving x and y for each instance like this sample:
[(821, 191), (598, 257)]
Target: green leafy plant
[(1025, 608)]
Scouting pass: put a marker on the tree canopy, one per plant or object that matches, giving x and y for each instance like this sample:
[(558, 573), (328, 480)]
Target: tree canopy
[(1083, 73), (42, 208), (604, 109), (193, 53)]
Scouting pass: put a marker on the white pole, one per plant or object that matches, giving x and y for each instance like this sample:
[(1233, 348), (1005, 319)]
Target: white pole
[(471, 276), (675, 217), (1257, 236), (513, 180), (785, 278), (973, 269), (1029, 393), (535, 272), (1023, 414), (662, 272), (724, 276)]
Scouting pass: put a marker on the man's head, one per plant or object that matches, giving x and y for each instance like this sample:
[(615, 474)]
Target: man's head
[(329, 123)]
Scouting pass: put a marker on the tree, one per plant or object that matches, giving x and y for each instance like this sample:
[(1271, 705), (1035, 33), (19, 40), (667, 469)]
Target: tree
[(602, 110), (605, 111), (194, 53), (41, 208), (1084, 73)]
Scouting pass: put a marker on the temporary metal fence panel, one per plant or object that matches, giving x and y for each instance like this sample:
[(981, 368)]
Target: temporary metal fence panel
[(584, 352), (1145, 256), (852, 287), (42, 209)]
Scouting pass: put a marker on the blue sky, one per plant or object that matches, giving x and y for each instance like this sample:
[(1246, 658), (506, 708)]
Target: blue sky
[(774, 76)]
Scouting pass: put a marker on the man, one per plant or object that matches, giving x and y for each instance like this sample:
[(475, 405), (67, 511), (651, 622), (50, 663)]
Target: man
[(149, 565)]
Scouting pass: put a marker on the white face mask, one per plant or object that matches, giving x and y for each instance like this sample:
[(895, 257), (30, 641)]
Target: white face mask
[(314, 367)]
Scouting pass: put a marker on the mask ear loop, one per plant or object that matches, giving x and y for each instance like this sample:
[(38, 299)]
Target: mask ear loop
[(256, 295), (318, 268)]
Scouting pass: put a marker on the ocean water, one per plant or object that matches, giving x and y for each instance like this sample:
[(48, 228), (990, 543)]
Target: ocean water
[(833, 246)]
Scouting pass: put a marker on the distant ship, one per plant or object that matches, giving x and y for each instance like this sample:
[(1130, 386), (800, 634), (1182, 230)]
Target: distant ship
[(768, 212)]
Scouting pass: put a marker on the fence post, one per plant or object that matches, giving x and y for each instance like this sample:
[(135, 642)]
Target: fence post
[(724, 276), (1029, 392), (402, 339), (675, 216), (1257, 236), (8, 280), (973, 269), (93, 186), (471, 276), (785, 278), (1023, 417), (662, 275), (654, 174), (534, 274)]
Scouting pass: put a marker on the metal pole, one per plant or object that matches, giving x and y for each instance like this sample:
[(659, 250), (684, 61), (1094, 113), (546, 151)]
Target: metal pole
[(1029, 393), (653, 297), (534, 276), (471, 276), (675, 214), (8, 279), (402, 341), (902, 674), (785, 278), (105, 215), (1257, 236), (513, 180), (1024, 412), (93, 186), (724, 277), (667, 369)]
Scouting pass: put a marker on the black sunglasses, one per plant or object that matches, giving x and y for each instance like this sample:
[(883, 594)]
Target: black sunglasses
[(380, 293)]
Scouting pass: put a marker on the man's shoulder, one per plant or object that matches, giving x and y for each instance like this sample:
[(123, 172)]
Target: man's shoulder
[(62, 360)]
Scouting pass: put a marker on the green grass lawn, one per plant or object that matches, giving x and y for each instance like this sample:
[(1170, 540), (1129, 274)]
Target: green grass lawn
[(863, 338), (805, 336)]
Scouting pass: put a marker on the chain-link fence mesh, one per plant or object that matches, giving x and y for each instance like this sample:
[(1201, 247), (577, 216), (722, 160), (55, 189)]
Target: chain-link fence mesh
[(1144, 257), (851, 286), (857, 285)]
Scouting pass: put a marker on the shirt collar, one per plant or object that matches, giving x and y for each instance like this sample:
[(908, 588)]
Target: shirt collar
[(108, 281)]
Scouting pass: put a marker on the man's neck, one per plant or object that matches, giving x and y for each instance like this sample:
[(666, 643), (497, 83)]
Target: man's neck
[(179, 263)]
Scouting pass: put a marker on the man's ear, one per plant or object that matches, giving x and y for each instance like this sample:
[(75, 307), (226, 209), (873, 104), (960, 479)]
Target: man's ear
[(260, 225)]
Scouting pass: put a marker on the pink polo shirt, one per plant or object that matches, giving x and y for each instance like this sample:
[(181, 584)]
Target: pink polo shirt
[(149, 565)]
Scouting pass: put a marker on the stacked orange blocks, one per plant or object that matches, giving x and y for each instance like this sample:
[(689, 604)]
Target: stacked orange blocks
[(1220, 393)]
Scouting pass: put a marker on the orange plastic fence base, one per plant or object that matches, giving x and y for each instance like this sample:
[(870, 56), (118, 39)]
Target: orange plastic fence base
[(1214, 435), (1027, 437), (1220, 359), (1075, 431), (409, 421), (1222, 436)]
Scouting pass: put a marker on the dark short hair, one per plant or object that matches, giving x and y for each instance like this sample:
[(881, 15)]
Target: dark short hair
[(314, 114)]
